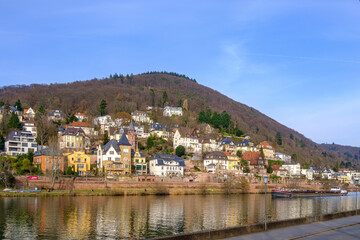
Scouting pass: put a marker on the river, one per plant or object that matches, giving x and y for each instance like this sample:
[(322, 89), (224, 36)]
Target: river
[(149, 216)]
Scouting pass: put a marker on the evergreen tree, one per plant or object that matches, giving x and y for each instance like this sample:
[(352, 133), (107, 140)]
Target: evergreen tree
[(102, 110), (216, 120), (106, 138), (278, 138), (14, 122), (336, 168), (202, 117), (2, 103), (225, 120), (2, 143), (40, 112), (18, 105), (165, 98), (179, 151)]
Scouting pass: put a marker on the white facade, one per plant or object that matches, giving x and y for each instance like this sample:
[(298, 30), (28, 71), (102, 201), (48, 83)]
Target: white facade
[(212, 164), (29, 126), (162, 165), (142, 117), (292, 168), (110, 155), (192, 145), (284, 157), (169, 111), (20, 142)]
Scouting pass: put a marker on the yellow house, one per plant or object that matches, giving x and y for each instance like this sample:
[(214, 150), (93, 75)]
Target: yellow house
[(267, 149), (233, 162), (139, 161), (161, 134), (79, 161), (344, 179)]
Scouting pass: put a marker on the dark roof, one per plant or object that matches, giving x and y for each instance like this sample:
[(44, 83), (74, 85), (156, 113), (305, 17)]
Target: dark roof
[(244, 143), (73, 131), (56, 112), (13, 135), (141, 154), (216, 155), (112, 143), (124, 141), (48, 152), (12, 109), (167, 158), (157, 127), (226, 141), (131, 127), (61, 129)]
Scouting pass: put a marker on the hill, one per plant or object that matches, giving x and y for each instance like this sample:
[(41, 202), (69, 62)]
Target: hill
[(349, 153), (128, 93)]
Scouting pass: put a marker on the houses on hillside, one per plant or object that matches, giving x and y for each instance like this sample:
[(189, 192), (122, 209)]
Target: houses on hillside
[(172, 111)]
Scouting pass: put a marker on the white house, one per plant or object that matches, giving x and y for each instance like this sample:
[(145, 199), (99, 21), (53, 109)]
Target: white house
[(215, 161), (29, 126), (29, 113), (189, 139), (162, 165), (209, 144), (142, 117), (169, 111), (284, 157), (292, 168), (20, 142)]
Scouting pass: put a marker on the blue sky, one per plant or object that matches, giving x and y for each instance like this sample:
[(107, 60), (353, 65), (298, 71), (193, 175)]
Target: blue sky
[(297, 61)]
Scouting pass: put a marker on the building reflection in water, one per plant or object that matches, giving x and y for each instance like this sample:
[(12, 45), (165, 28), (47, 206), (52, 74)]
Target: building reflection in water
[(150, 216)]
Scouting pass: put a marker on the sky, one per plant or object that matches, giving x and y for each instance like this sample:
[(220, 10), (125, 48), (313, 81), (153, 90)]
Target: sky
[(297, 61)]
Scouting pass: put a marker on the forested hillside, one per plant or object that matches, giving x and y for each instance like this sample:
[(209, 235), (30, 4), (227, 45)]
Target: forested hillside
[(132, 92)]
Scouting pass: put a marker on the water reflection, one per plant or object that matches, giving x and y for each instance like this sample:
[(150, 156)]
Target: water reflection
[(143, 217)]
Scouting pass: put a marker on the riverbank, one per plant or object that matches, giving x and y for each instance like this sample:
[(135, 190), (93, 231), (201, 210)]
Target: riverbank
[(285, 229)]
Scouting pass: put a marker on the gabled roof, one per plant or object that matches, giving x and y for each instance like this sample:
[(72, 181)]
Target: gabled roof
[(124, 141), (265, 145), (131, 127), (73, 131), (28, 110), (112, 143), (252, 157), (188, 133)]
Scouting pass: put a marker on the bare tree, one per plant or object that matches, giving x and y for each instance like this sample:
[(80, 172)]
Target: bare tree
[(45, 129), (56, 161)]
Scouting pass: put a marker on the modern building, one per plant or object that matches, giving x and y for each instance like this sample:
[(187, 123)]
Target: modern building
[(283, 157), (30, 126), (162, 165), (20, 142), (294, 169)]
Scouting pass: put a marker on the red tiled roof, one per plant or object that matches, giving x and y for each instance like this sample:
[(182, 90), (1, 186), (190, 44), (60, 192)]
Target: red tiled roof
[(264, 144), (79, 124), (252, 157), (275, 167)]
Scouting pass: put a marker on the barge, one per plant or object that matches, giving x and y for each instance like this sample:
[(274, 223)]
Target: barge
[(285, 193)]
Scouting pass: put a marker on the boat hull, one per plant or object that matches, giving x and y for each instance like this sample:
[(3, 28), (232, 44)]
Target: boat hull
[(303, 194)]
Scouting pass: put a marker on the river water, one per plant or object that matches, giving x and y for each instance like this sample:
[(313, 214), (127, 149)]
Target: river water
[(149, 216)]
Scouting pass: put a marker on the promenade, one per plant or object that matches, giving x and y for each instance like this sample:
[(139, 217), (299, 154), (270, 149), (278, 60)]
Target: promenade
[(342, 228)]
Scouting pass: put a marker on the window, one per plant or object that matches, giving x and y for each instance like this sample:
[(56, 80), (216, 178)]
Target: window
[(126, 151), (111, 152), (24, 144), (109, 158), (80, 166)]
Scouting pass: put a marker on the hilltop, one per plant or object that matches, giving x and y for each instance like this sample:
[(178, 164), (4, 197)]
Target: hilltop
[(136, 92)]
